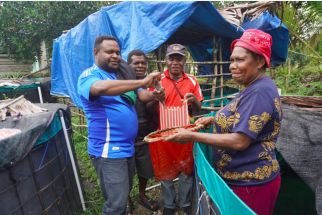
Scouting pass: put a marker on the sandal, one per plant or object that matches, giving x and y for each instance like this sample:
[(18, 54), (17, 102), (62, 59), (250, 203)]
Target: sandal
[(149, 204), (129, 207)]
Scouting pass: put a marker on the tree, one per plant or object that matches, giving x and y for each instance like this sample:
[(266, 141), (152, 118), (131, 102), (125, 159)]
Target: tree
[(304, 21), (302, 75), (23, 25)]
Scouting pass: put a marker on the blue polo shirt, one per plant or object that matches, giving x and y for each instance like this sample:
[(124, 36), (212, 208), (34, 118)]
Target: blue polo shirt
[(112, 122)]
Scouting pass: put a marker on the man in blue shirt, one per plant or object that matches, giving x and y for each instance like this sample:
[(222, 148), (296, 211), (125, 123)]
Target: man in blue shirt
[(108, 103)]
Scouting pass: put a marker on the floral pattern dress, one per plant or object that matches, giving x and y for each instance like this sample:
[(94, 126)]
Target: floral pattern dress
[(255, 112)]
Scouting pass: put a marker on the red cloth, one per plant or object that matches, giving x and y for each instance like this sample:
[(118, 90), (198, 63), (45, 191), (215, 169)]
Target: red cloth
[(256, 41), (261, 198), (170, 159)]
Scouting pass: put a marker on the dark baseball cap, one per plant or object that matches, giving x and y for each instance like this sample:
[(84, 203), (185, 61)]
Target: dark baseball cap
[(176, 49)]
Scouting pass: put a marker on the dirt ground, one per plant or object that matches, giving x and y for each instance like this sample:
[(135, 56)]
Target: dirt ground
[(140, 210), (155, 194)]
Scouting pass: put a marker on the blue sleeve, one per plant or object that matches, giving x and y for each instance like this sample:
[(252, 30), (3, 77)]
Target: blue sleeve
[(254, 111), (85, 82)]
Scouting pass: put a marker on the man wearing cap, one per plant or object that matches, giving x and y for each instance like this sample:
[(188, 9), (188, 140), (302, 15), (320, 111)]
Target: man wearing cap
[(178, 159), (246, 130)]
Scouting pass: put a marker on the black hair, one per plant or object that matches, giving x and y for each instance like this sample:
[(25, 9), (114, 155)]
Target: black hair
[(100, 39), (135, 52)]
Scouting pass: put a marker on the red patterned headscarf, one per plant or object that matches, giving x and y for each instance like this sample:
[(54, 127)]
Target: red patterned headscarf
[(256, 41)]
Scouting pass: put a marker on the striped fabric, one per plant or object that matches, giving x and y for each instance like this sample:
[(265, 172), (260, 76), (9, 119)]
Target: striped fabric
[(173, 116)]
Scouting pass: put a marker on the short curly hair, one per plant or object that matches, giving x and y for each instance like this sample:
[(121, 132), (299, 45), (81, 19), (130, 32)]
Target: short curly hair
[(135, 52)]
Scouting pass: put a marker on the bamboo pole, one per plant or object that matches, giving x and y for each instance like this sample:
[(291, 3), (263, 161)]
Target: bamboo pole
[(221, 77), (215, 99), (271, 73), (80, 119), (159, 63), (249, 5), (76, 113), (214, 81), (32, 73), (208, 89), (211, 108), (195, 62), (208, 76), (82, 126), (288, 75), (80, 134)]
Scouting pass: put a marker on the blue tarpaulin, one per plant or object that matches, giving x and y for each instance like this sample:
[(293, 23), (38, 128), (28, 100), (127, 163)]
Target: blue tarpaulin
[(146, 26)]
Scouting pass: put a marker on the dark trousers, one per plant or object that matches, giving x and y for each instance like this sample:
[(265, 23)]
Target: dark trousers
[(115, 175)]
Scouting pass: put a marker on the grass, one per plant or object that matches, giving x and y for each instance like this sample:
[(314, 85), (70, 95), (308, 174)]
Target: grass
[(12, 75), (92, 194)]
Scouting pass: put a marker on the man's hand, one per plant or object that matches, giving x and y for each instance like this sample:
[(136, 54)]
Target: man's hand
[(159, 94), (190, 98), (150, 79)]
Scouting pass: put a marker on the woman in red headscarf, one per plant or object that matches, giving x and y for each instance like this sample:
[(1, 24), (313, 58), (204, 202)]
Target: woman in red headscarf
[(246, 130)]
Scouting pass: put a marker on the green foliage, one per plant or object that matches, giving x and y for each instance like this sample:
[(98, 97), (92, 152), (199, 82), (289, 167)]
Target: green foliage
[(296, 79), (302, 74), (12, 75), (23, 25), (303, 19)]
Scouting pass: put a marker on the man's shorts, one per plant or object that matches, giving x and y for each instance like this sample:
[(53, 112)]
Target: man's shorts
[(143, 161)]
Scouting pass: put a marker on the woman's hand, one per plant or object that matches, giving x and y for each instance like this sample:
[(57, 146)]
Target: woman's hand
[(205, 121), (181, 136)]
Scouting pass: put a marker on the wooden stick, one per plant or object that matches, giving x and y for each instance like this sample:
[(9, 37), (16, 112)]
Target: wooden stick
[(214, 82), (11, 102), (221, 77), (208, 76), (195, 62), (251, 5), (211, 108), (226, 97), (30, 74)]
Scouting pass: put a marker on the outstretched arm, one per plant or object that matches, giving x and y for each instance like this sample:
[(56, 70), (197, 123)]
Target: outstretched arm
[(146, 95), (117, 87), (235, 141)]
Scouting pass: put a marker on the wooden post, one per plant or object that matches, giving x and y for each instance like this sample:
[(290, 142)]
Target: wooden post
[(159, 65), (214, 81), (288, 75), (272, 73), (221, 77), (43, 55)]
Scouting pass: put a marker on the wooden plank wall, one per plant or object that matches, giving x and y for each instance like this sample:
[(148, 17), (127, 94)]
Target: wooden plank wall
[(10, 65)]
